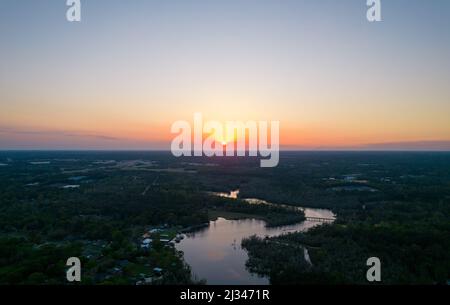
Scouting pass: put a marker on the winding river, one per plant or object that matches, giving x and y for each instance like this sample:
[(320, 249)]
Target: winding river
[(215, 254)]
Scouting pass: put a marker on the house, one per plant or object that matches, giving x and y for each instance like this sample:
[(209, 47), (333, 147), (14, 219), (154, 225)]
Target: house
[(147, 241), (148, 280), (157, 270), (71, 186)]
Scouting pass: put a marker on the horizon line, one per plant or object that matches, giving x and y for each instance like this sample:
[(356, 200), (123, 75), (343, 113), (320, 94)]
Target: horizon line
[(168, 151)]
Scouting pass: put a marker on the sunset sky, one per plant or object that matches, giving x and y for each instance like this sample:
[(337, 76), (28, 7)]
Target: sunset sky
[(121, 77)]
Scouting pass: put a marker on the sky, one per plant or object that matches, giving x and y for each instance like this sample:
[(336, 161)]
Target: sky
[(129, 69)]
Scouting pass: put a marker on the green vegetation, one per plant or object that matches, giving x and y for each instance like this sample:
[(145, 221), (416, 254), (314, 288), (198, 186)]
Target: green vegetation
[(406, 224), (395, 206), (42, 224), (238, 209)]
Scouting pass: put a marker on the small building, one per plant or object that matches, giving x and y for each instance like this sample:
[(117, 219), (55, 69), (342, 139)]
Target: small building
[(71, 186), (147, 241), (148, 280)]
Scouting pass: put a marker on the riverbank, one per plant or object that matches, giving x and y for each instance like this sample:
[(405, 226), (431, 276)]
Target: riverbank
[(213, 215), (231, 206), (215, 252)]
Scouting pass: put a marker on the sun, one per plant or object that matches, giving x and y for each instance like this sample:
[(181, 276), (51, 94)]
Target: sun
[(221, 139)]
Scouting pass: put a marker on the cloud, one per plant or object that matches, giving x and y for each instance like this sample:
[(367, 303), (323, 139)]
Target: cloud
[(411, 145), (48, 132), (28, 138), (442, 145)]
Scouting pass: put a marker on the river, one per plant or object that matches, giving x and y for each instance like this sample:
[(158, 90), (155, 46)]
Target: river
[(215, 254)]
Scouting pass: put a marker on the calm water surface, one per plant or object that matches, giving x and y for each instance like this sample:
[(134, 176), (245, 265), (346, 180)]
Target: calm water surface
[(215, 254)]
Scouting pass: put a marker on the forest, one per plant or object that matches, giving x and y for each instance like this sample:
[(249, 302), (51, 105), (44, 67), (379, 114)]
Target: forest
[(98, 205)]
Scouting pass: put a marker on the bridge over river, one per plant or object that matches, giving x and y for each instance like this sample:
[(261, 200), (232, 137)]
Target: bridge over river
[(320, 219)]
